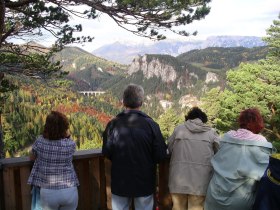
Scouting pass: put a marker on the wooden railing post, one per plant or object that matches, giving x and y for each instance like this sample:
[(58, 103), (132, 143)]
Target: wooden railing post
[(2, 201), (15, 192), (108, 182), (89, 167), (103, 193), (165, 202)]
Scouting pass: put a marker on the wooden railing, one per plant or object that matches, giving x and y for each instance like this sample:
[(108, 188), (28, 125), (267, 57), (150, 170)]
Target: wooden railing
[(93, 171)]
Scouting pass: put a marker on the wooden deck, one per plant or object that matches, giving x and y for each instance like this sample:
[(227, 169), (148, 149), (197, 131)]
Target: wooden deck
[(93, 171)]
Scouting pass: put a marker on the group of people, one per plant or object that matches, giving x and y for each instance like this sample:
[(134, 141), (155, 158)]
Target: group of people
[(206, 171)]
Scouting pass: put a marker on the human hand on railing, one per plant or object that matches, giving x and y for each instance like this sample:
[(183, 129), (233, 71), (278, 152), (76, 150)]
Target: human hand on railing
[(32, 156)]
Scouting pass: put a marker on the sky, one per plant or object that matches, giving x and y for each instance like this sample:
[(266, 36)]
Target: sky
[(227, 17)]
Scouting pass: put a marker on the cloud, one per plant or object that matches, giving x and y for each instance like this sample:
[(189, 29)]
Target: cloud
[(238, 17)]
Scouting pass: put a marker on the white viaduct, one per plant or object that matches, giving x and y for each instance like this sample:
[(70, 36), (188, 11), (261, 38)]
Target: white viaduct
[(89, 93)]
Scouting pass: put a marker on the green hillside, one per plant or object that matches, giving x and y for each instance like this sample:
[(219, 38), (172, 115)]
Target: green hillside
[(87, 71), (75, 59), (90, 78), (223, 58)]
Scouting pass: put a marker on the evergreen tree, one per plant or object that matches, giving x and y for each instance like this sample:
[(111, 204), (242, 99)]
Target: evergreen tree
[(168, 121), (272, 40), (5, 87)]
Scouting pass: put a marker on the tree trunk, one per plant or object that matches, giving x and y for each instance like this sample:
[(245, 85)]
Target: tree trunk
[(2, 20), (2, 153)]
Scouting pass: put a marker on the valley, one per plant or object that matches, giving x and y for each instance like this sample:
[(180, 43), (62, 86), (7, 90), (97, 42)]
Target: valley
[(172, 85)]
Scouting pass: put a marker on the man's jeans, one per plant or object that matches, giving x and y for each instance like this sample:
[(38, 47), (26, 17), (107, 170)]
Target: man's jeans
[(140, 203), (64, 199)]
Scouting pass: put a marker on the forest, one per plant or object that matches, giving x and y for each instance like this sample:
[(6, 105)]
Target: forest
[(24, 111)]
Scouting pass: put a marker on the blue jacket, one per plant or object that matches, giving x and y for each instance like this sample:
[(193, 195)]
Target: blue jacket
[(238, 166), (268, 194), (134, 144)]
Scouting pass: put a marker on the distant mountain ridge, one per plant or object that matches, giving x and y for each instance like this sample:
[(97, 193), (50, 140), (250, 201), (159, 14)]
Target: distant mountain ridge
[(174, 48)]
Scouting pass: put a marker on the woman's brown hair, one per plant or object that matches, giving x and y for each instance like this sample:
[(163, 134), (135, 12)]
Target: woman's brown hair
[(251, 120), (56, 126)]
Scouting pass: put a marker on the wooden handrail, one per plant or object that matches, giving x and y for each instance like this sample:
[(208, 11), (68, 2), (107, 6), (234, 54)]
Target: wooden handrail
[(19, 161)]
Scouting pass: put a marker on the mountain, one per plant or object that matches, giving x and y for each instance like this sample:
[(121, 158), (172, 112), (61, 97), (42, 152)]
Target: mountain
[(174, 48), (221, 57), (166, 78), (86, 70), (76, 59), (192, 73), (233, 41)]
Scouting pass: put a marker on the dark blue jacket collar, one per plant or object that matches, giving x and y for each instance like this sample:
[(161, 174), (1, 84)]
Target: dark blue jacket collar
[(130, 111)]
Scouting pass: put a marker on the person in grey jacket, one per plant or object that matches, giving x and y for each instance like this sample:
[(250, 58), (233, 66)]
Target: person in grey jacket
[(192, 145)]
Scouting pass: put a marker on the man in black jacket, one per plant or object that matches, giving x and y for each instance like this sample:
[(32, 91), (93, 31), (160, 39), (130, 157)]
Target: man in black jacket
[(134, 144)]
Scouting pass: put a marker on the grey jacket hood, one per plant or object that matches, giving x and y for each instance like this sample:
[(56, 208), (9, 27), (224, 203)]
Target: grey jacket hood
[(196, 126)]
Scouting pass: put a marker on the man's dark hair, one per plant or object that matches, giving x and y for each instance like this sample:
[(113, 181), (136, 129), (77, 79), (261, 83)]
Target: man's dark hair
[(133, 96), (196, 112), (56, 126)]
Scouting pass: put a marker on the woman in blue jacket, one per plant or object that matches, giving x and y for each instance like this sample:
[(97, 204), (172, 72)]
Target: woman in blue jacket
[(239, 165)]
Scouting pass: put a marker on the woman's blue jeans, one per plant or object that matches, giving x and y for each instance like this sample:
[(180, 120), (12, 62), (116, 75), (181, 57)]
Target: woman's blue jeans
[(64, 199)]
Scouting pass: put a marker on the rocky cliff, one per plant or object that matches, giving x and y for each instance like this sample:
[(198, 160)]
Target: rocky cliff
[(153, 67), (170, 71)]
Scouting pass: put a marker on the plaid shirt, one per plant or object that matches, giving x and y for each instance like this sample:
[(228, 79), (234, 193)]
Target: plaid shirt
[(53, 168)]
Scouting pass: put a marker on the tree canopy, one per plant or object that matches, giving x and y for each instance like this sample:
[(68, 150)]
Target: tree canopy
[(168, 121)]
